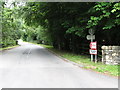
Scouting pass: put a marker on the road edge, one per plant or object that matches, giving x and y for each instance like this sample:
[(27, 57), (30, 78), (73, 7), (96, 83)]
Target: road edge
[(79, 65), (8, 48)]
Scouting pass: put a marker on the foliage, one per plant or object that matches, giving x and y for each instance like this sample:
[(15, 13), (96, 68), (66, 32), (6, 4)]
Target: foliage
[(11, 26), (106, 11), (7, 48), (65, 25)]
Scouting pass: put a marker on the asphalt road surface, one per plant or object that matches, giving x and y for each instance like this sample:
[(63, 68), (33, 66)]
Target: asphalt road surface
[(32, 66)]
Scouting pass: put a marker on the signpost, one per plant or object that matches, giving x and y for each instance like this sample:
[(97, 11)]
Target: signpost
[(93, 52), (91, 32), (89, 37), (93, 45)]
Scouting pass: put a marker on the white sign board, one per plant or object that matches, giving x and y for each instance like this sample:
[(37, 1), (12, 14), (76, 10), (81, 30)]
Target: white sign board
[(93, 45), (93, 51), (89, 37)]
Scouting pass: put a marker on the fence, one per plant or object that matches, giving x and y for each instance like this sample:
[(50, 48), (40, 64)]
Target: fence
[(84, 49), (106, 54)]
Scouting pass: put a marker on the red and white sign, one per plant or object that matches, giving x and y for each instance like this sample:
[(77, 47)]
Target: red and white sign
[(93, 52), (93, 45)]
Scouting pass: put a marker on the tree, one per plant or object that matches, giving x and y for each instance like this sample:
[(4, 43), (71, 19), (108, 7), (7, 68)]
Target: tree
[(66, 25), (106, 20), (11, 26)]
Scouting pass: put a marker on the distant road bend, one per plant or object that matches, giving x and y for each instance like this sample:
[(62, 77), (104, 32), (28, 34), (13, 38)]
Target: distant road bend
[(32, 66)]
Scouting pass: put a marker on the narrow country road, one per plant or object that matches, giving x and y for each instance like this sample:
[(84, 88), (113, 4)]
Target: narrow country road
[(32, 66)]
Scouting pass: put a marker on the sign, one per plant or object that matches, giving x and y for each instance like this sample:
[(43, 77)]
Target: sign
[(89, 37), (93, 45), (91, 32), (93, 52)]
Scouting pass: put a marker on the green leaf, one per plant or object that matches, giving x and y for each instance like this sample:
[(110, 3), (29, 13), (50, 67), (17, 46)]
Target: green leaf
[(114, 10)]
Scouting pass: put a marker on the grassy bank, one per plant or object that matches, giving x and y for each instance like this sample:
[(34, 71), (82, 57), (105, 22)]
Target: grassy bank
[(85, 60), (10, 47)]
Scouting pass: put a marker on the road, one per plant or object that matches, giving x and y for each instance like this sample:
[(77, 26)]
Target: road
[(32, 66)]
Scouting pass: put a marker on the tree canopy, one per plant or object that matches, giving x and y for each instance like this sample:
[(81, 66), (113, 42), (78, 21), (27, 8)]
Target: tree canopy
[(63, 24), (11, 26), (67, 24)]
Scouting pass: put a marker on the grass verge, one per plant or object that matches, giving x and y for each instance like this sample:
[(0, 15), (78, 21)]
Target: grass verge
[(84, 60), (6, 48)]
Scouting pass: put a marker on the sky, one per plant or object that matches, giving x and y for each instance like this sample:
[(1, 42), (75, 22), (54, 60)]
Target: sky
[(9, 2)]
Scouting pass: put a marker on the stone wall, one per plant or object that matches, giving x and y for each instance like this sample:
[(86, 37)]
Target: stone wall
[(111, 55)]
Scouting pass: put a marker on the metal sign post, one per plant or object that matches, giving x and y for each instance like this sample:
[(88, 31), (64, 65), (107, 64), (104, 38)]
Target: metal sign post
[(93, 50), (96, 58), (91, 54), (96, 55), (91, 32)]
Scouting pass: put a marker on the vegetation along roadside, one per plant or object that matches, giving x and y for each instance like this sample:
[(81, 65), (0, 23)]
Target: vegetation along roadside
[(85, 60), (7, 48)]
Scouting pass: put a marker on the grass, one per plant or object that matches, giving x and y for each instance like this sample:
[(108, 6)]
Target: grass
[(6, 48), (85, 60)]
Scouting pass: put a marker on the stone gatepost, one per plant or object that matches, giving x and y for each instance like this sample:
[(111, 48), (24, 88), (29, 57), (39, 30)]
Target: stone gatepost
[(111, 55)]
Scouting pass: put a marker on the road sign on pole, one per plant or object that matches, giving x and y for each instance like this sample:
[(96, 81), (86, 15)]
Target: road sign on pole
[(91, 31), (93, 52), (89, 37), (93, 45)]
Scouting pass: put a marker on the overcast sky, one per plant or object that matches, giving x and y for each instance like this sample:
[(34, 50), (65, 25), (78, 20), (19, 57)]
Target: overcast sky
[(9, 2)]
